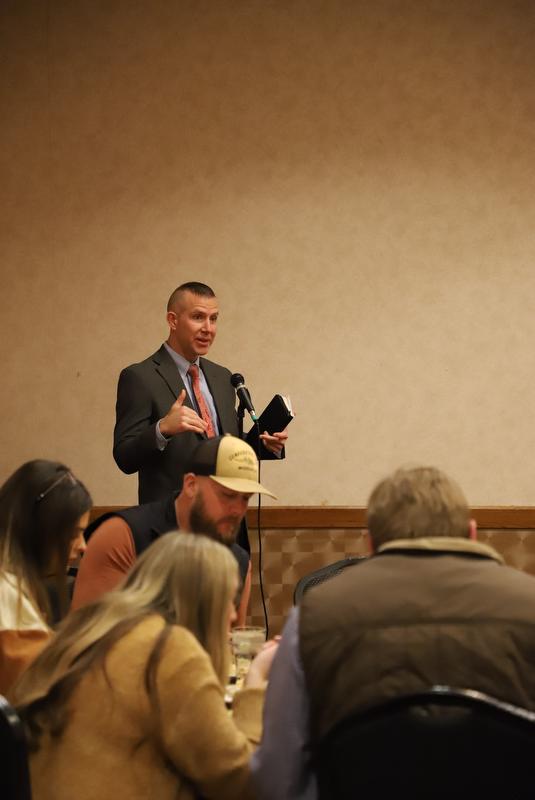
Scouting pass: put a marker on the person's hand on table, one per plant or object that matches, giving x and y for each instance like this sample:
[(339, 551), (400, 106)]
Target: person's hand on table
[(258, 673)]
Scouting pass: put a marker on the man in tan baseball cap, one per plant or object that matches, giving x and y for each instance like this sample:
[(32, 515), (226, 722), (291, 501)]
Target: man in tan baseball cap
[(220, 478), (228, 461)]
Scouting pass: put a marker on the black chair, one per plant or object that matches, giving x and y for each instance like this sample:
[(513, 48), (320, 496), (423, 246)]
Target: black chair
[(14, 772), (442, 743), (323, 574)]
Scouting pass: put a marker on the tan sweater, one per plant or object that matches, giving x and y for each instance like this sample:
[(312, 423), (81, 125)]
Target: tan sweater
[(113, 748)]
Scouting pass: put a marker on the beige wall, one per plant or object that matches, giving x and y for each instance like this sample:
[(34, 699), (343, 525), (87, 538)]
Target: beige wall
[(355, 179)]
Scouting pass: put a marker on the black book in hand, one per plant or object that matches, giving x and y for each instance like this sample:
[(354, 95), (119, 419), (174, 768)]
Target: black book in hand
[(274, 418)]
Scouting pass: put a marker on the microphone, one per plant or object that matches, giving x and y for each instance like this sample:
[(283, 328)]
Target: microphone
[(238, 381)]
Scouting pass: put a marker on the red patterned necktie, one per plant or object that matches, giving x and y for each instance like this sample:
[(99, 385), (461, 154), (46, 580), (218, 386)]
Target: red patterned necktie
[(193, 372)]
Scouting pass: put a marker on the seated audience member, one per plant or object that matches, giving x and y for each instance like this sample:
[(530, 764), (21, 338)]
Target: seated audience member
[(432, 606), (220, 479), (127, 700), (43, 512)]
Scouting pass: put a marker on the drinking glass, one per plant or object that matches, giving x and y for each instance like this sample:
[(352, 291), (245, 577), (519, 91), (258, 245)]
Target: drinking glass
[(246, 642)]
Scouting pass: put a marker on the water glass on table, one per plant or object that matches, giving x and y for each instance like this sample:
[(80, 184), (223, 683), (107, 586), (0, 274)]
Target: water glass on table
[(246, 642)]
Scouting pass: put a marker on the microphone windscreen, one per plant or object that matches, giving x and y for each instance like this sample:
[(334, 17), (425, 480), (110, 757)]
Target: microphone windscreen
[(237, 380)]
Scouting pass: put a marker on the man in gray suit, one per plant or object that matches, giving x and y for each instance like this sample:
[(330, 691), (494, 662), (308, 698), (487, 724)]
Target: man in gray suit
[(169, 402)]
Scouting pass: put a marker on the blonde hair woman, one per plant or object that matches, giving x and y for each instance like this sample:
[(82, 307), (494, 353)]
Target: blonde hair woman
[(127, 700)]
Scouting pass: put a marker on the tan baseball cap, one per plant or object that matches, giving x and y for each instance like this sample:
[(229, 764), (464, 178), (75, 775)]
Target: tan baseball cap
[(229, 461)]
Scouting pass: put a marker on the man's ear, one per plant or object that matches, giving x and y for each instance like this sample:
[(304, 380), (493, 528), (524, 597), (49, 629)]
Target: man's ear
[(189, 485), (369, 541), (171, 319), (472, 530)]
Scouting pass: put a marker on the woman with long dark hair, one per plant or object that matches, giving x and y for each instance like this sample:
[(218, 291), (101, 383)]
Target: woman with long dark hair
[(127, 700), (44, 510)]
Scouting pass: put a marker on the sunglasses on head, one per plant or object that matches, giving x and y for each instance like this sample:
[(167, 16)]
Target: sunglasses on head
[(66, 476)]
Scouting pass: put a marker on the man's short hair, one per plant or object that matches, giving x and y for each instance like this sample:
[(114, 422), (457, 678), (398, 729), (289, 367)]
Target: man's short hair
[(194, 287), (416, 503)]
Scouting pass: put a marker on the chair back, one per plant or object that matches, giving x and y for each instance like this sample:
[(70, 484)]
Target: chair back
[(442, 743), (323, 574), (14, 772)]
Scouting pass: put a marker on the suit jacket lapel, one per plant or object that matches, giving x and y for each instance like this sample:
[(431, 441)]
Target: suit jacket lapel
[(168, 371)]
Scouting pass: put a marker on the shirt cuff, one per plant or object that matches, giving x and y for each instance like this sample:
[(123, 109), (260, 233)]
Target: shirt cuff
[(161, 441)]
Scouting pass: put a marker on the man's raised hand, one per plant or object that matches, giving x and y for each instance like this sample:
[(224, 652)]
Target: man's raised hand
[(181, 418)]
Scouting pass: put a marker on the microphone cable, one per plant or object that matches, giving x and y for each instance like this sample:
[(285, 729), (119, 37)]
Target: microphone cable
[(259, 532)]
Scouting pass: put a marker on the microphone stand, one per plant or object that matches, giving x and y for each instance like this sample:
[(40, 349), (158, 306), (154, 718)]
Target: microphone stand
[(241, 414), (240, 411)]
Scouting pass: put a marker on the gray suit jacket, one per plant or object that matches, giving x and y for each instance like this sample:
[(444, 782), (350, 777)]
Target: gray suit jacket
[(145, 393)]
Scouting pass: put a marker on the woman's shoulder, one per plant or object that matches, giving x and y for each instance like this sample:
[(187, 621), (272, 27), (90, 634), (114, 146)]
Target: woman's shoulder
[(180, 651), (177, 639)]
